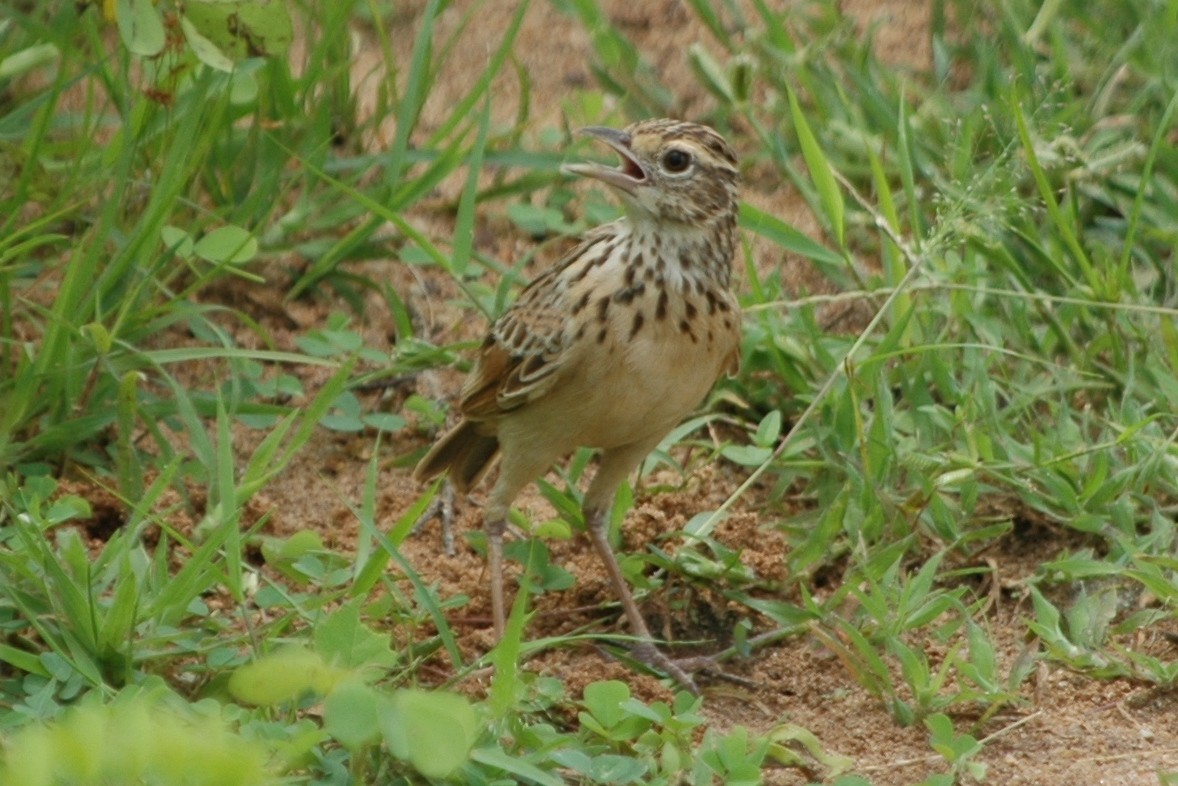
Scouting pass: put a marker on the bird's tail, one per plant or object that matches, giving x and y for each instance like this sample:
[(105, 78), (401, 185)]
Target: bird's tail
[(464, 452)]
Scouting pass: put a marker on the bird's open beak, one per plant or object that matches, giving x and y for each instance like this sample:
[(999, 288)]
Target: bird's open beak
[(628, 177)]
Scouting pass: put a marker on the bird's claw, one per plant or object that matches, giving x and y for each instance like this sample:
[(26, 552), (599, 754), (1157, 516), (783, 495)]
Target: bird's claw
[(682, 670), (441, 508)]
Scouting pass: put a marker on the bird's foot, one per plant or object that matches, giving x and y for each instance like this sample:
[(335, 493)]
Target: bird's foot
[(441, 508), (683, 670), (646, 652)]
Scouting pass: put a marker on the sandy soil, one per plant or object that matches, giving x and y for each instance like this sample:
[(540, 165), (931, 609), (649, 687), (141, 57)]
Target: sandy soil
[(1069, 730)]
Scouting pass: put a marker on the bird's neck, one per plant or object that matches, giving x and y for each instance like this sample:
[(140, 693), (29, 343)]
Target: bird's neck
[(688, 256)]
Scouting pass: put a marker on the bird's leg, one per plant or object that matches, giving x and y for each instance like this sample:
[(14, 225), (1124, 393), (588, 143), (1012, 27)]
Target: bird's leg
[(495, 528), (516, 471), (612, 469), (645, 651), (447, 517)]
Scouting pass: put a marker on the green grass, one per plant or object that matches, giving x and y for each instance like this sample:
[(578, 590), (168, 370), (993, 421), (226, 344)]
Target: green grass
[(1005, 224)]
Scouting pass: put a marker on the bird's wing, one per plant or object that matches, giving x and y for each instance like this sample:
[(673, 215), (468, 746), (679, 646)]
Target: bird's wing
[(529, 346)]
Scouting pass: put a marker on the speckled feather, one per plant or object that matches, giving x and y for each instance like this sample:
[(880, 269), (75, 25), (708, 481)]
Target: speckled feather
[(526, 348)]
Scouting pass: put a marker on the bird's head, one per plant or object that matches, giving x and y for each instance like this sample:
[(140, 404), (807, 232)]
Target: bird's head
[(671, 171)]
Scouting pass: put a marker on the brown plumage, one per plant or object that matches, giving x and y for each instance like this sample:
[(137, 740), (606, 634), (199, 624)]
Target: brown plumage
[(611, 347)]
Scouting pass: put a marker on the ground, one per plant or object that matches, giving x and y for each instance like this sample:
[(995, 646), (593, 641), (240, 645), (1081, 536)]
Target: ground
[(1068, 730)]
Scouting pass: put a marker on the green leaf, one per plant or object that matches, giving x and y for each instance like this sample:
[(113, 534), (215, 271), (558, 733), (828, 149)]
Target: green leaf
[(68, 507), (133, 739), (710, 73), (537, 220), (611, 768), (27, 59), (292, 548), (604, 700), (820, 171), (797, 736), (346, 641), (769, 428), (25, 661), (282, 677), (205, 50), (782, 234), (432, 730), (351, 714), (496, 757), (464, 229), (242, 28), (178, 240), (140, 27), (384, 421), (746, 455), (229, 245)]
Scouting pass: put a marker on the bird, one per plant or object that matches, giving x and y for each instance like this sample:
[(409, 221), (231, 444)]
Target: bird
[(610, 348)]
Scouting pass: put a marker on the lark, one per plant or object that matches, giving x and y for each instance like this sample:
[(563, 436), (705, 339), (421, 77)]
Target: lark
[(610, 348)]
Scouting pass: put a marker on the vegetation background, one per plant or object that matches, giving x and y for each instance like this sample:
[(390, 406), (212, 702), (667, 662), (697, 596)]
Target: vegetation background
[(244, 246)]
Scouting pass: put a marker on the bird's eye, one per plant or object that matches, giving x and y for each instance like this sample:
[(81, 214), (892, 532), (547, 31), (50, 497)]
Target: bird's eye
[(676, 160)]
